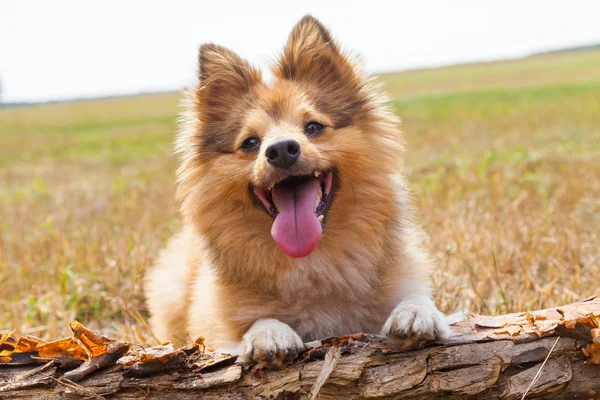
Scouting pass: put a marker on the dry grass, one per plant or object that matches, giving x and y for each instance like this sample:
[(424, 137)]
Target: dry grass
[(504, 160)]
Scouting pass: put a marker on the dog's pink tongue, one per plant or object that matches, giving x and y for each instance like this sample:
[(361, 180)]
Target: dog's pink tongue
[(296, 229)]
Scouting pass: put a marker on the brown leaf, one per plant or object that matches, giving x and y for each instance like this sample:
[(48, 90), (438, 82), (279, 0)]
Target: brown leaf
[(570, 324), (23, 353), (592, 350), (27, 344), (512, 330), (160, 353), (7, 346), (212, 361), (490, 322), (63, 348), (529, 317), (338, 341), (152, 360), (94, 342), (114, 351), (7, 343), (200, 342), (594, 320)]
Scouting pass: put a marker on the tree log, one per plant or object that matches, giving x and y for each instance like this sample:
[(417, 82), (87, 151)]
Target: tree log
[(550, 353)]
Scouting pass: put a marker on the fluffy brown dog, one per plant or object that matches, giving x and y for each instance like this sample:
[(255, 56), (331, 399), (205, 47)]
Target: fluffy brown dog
[(297, 224)]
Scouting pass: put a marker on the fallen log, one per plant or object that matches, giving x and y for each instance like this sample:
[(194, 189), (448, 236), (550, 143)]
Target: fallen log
[(552, 353)]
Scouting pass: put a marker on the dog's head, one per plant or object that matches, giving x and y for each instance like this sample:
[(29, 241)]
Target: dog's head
[(279, 163)]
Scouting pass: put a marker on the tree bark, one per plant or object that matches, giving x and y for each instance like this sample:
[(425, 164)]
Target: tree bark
[(487, 358)]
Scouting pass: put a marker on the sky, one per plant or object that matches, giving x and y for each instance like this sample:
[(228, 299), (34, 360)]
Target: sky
[(54, 50)]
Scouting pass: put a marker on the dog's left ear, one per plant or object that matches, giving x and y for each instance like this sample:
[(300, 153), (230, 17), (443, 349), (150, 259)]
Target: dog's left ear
[(312, 58), (311, 55)]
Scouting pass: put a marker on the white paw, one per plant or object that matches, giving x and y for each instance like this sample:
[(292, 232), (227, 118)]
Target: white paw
[(416, 319), (270, 343)]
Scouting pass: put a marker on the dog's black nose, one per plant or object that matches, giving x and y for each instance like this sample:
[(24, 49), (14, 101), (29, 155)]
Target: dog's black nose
[(283, 154)]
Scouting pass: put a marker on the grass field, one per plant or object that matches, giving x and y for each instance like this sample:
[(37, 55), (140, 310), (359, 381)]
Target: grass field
[(504, 160)]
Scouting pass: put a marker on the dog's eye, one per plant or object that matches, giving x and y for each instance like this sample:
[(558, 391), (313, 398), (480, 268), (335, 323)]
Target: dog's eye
[(250, 144), (313, 128)]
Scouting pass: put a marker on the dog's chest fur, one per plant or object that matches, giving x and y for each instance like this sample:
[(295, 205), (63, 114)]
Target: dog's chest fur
[(324, 297)]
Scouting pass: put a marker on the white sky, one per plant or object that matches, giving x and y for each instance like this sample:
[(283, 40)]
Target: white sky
[(62, 49)]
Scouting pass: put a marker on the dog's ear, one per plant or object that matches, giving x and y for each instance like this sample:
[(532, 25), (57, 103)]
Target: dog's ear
[(311, 55), (224, 94), (225, 78)]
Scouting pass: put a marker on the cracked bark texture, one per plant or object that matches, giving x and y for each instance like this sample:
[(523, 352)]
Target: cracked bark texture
[(488, 358)]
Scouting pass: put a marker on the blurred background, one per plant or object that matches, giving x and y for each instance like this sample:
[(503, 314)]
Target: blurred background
[(500, 103)]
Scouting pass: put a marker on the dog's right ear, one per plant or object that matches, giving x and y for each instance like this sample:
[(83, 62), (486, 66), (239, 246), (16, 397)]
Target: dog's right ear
[(224, 79)]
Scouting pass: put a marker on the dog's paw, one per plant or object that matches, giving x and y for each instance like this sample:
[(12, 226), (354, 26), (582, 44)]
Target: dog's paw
[(416, 319), (270, 343)]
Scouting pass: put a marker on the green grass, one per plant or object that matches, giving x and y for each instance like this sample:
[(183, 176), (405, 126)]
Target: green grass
[(503, 158), (540, 70), (115, 131)]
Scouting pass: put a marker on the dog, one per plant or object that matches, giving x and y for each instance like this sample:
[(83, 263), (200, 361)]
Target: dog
[(297, 223)]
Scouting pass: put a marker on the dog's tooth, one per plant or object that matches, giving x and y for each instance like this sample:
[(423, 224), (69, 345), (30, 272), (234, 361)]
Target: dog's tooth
[(271, 186), (317, 174), (320, 218), (318, 199)]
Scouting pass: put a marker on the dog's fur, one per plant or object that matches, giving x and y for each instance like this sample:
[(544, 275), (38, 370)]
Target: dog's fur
[(224, 277)]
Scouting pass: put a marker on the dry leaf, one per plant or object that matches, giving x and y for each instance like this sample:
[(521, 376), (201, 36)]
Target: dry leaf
[(113, 352), (94, 342), (512, 330), (200, 342), (160, 353), (209, 362), (490, 322), (6, 341), (152, 360), (529, 317), (27, 344), (339, 341), (7, 345), (592, 350), (594, 320), (63, 348)]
